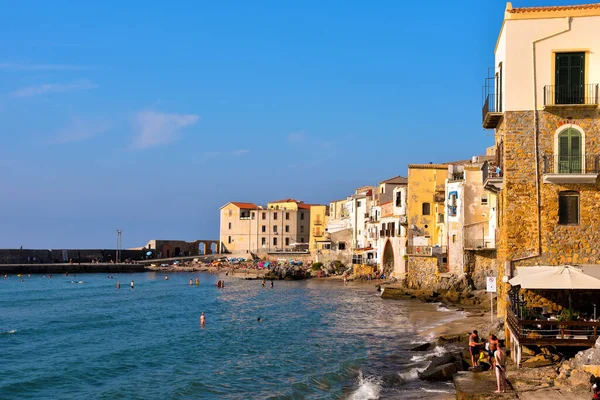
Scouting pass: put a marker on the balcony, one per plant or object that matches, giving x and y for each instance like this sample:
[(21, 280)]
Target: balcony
[(403, 220), (493, 177), (491, 113), (426, 251), (556, 96), (479, 244), (570, 169), (439, 196)]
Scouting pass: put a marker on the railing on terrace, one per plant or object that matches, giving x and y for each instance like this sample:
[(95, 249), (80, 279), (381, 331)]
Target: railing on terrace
[(479, 243), (457, 176), (542, 331), (581, 164), (426, 250), (563, 95), (490, 171)]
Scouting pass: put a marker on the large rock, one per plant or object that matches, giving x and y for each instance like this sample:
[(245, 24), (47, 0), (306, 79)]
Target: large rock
[(441, 368), (442, 372), (422, 347), (540, 360)]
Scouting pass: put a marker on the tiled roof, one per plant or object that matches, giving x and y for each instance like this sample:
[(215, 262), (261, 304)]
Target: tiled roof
[(287, 201), (397, 180), (554, 8), (244, 205), (303, 206)]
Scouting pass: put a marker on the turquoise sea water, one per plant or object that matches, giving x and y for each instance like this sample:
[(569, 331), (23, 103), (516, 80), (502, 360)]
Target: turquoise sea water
[(62, 339)]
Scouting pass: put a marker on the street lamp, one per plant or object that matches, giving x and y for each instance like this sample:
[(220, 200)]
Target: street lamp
[(119, 245)]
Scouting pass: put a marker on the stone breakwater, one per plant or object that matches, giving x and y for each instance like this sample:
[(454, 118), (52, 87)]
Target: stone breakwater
[(59, 268)]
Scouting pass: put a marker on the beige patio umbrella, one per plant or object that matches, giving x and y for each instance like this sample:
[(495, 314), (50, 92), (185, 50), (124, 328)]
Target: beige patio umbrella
[(555, 278)]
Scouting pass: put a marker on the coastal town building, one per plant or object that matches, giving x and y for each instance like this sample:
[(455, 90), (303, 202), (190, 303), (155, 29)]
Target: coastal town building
[(389, 226), (541, 100), (426, 251), (283, 225), (318, 220), (470, 216), (179, 248), (544, 110)]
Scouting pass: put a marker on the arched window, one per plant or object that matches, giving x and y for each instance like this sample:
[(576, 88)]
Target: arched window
[(569, 152)]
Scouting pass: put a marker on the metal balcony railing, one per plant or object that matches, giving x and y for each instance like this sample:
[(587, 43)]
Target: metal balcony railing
[(582, 164), (426, 250), (491, 112), (563, 95)]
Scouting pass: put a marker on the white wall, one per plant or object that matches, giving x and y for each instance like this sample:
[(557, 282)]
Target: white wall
[(514, 50)]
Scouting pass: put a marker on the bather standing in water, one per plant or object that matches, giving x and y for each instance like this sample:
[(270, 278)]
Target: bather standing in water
[(132, 284), (202, 320)]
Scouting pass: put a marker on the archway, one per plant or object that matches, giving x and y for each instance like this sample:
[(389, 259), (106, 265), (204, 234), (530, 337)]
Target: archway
[(388, 258), (201, 248), (213, 248)]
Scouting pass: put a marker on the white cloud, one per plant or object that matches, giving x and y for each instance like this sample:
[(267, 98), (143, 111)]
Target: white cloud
[(296, 137), (240, 152), (38, 67), (155, 128), (54, 88), (80, 129)]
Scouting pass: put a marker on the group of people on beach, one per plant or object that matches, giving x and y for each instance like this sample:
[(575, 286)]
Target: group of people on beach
[(496, 356)]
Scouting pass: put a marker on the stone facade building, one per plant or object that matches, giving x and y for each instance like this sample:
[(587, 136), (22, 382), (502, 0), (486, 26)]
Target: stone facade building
[(542, 102)]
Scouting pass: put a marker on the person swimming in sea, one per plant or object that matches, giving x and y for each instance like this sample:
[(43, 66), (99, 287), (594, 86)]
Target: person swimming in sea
[(166, 277), (132, 285), (191, 282), (197, 281), (202, 320), (118, 285)]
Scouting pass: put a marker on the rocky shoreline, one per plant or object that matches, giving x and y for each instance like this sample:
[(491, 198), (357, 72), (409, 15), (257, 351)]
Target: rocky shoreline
[(545, 374)]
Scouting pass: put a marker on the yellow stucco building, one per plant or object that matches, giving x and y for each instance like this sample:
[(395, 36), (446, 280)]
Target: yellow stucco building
[(318, 221), (426, 195)]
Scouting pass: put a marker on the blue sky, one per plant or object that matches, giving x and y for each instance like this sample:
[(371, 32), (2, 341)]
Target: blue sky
[(149, 116)]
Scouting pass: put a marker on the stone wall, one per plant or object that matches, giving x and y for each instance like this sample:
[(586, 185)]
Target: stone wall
[(519, 241), (422, 272), (481, 264)]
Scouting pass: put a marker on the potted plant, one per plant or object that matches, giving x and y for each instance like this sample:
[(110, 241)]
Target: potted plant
[(567, 314)]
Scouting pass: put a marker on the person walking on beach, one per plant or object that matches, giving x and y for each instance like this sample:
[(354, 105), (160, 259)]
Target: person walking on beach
[(474, 346), (500, 360), (202, 320), (271, 283)]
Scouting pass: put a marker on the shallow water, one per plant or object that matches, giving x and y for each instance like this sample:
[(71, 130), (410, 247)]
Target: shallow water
[(318, 340)]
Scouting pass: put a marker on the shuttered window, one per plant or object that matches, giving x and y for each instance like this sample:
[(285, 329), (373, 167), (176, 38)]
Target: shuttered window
[(569, 78), (568, 208)]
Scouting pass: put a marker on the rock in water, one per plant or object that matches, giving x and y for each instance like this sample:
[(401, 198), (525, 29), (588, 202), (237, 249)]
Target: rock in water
[(422, 347)]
